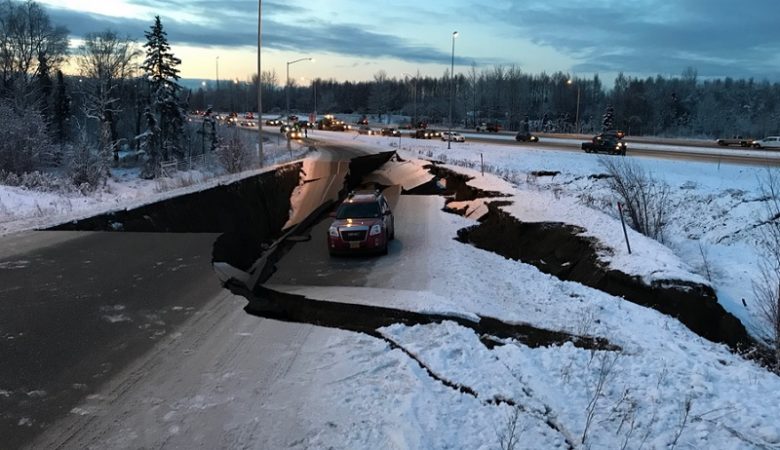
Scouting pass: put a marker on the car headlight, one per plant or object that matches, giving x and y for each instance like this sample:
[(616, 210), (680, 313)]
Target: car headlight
[(375, 229), (333, 231)]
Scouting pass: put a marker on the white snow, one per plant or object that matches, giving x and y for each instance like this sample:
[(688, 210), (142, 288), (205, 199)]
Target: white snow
[(336, 389)]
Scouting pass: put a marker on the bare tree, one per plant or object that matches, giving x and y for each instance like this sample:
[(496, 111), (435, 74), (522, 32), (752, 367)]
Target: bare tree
[(766, 289), (606, 364), (509, 437), (24, 141), (646, 199), (27, 37), (233, 156), (106, 61)]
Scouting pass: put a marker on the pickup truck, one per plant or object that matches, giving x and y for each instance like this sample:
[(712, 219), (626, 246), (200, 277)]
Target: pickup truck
[(491, 127), (735, 140), (605, 143)]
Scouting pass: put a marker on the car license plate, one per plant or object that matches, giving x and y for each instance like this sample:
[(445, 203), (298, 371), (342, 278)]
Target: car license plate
[(354, 245)]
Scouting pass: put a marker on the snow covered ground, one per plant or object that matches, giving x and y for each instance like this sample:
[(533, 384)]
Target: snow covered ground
[(25, 209), (665, 388)]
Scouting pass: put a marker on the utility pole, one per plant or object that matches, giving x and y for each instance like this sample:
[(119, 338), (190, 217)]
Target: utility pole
[(452, 69), (260, 155)]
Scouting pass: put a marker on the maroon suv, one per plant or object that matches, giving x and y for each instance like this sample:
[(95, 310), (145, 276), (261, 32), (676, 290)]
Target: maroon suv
[(364, 224)]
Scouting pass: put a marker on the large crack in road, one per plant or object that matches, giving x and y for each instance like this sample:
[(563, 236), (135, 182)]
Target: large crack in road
[(263, 217)]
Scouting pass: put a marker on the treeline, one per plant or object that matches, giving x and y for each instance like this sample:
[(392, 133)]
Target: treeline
[(683, 105), (125, 97)]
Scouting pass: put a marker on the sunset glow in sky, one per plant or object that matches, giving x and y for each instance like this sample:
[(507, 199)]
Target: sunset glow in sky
[(353, 40)]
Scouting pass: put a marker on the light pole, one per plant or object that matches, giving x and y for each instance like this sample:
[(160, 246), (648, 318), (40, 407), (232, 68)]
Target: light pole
[(287, 83), (452, 69), (287, 94), (259, 83), (577, 117), (414, 97)]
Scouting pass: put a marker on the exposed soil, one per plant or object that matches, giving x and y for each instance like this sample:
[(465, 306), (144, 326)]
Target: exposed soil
[(264, 302), (561, 250)]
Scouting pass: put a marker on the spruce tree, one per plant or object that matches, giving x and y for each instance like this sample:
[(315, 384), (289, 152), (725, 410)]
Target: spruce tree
[(44, 87), (61, 110), (150, 143), (608, 120), (160, 65), (161, 71)]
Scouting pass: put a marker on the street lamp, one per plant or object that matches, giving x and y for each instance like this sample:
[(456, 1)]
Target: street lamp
[(287, 84), (577, 117), (414, 96), (452, 69), (287, 93)]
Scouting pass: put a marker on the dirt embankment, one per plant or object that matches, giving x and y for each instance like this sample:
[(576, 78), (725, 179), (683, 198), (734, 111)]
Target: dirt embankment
[(560, 250)]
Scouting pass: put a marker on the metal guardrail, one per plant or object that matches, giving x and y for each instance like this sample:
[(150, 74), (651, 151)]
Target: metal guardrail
[(168, 168)]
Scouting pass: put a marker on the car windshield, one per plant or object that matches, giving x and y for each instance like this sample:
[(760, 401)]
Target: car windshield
[(358, 210)]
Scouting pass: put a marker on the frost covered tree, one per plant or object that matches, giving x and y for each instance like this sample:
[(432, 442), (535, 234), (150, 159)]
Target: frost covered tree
[(766, 288), (150, 144), (87, 169), (24, 140), (105, 60), (161, 71), (608, 120)]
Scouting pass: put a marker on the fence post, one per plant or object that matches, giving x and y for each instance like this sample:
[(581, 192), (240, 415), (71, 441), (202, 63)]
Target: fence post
[(623, 222), (482, 163)]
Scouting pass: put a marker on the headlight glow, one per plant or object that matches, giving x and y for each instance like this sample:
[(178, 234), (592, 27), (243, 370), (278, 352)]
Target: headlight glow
[(375, 229), (333, 231)]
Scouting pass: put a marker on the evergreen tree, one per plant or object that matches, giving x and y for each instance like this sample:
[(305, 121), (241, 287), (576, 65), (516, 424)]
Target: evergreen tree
[(161, 71), (160, 65), (44, 87), (61, 110), (608, 120), (150, 143)]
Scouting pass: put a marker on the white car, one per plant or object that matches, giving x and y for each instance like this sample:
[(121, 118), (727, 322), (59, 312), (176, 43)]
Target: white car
[(767, 142), (456, 137)]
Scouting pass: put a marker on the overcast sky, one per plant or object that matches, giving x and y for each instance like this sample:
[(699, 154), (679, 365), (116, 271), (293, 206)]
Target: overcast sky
[(353, 40)]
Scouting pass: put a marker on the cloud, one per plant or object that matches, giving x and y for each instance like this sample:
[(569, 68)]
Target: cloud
[(221, 31), (717, 37)]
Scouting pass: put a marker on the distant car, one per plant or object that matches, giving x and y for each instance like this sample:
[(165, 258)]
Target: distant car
[(292, 118), (489, 127), (526, 137), (367, 130), (607, 142), (362, 121), (295, 133), (767, 142), (363, 223), (455, 136), (422, 134), (273, 122), (389, 132), (305, 124)]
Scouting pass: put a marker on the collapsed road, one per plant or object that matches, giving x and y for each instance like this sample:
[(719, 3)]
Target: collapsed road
[(127, 349)]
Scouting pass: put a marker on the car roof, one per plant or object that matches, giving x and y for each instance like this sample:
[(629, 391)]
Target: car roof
[(363, 197)]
